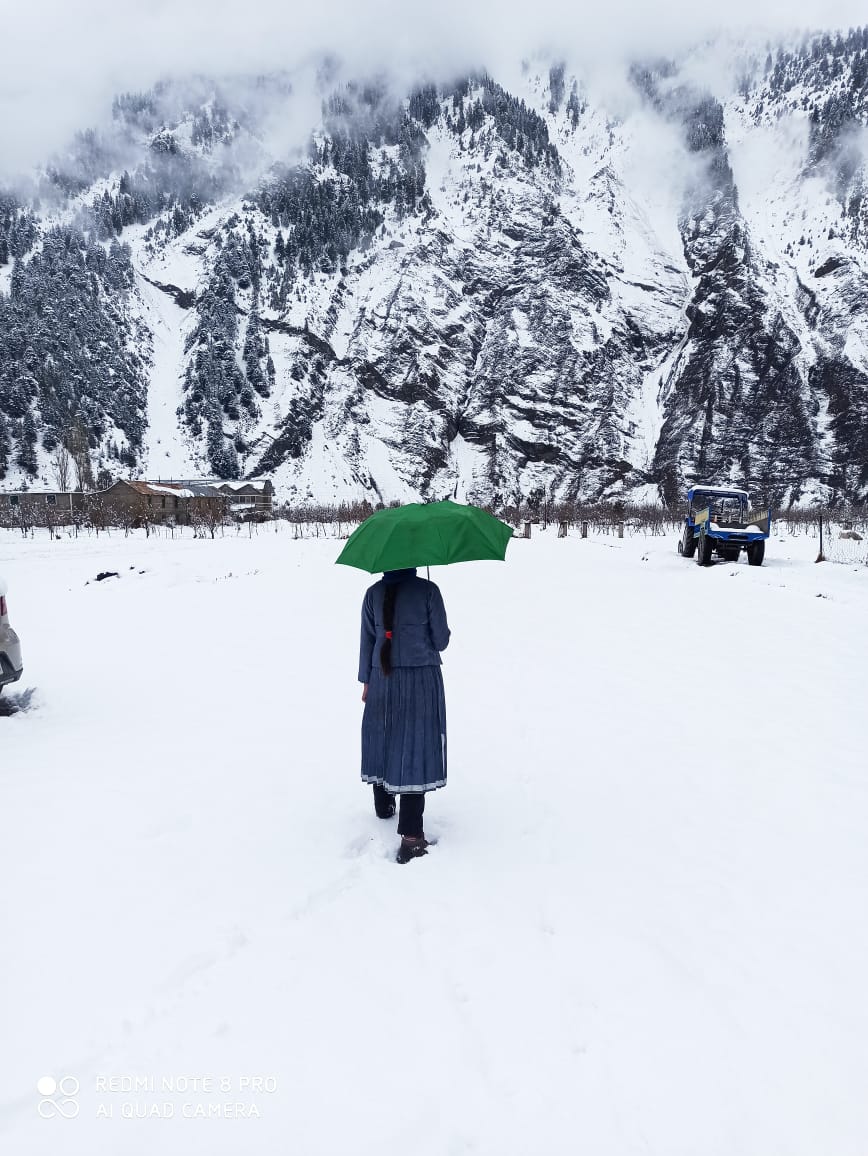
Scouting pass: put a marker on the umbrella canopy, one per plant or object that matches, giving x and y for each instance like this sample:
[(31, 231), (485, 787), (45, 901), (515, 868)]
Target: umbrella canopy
[(432, 534)]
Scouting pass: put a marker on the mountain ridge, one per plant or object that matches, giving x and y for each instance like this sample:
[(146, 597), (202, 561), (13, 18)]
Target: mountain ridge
[(465, 291)]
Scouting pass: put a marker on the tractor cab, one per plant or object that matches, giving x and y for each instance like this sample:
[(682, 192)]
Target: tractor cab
[(725, 507)]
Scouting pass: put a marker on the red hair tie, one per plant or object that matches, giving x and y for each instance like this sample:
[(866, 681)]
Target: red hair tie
[(388, 634)]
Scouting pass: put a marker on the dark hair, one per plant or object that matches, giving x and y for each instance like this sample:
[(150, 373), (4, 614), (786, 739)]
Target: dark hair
[(388, 622)]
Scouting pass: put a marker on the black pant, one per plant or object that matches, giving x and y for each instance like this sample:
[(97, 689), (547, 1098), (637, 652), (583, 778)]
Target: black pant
[(409, 814)]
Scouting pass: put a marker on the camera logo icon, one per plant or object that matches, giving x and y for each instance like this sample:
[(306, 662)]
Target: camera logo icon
[(58, 1097)]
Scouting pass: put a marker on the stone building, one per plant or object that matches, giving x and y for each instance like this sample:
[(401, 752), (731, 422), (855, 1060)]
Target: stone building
[(252, 497), (125, 503)]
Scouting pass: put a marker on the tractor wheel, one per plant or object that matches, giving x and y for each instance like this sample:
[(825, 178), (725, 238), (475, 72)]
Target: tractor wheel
[(755, 553), (706, 550), (687, 545)]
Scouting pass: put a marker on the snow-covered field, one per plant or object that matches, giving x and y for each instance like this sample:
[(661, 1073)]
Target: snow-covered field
[(643, 928)]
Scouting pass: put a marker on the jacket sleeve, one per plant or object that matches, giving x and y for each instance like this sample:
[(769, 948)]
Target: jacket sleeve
[(366, 646), (437, 624)]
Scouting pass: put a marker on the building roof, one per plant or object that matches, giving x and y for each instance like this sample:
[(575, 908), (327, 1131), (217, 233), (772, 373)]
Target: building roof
[(204, 490), (39, 493), (256, 484), (218, 483), (149, 489)]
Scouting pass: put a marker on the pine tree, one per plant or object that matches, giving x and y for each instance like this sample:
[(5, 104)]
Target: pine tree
[(556, 87), (27, 445), (5, 446)]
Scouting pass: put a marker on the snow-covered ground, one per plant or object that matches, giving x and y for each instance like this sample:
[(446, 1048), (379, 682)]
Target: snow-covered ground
[(642, 930)]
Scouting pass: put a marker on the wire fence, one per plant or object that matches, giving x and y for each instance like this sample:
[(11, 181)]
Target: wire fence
[(845, 546)]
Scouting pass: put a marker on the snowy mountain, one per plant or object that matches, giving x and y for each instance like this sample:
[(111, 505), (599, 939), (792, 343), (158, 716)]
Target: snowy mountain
[(494, 288)]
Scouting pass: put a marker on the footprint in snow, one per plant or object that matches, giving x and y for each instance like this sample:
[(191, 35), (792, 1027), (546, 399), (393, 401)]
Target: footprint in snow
[(371, 846), (21, 703)]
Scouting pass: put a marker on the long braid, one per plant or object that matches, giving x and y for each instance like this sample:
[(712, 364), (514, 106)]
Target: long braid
[(388, 622)]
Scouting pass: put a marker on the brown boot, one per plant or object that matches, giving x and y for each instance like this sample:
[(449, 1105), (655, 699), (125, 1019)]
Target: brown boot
[(412, 846)]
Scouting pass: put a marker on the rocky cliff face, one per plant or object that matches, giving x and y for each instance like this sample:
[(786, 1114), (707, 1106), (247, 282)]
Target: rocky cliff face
[(484, 290)]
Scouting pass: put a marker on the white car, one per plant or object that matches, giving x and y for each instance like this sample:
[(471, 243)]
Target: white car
[(11, 664)]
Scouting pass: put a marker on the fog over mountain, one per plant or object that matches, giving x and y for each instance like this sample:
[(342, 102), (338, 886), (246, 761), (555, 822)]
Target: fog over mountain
[(68, 60), (385, 254)]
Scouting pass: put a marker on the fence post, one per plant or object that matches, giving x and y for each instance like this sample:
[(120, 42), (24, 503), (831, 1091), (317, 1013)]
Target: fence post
[(584, 529), (562, 529), (620, 529), (525, 530)]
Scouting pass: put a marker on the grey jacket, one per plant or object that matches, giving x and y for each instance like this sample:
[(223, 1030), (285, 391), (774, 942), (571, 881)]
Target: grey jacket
[(419, 632)]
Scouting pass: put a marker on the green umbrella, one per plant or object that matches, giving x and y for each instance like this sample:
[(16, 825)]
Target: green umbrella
[(433, 534)]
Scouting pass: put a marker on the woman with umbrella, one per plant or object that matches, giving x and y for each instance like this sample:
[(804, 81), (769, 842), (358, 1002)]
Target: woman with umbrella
[(404, 629)]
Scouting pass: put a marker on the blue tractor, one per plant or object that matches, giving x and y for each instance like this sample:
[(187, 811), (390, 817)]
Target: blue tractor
[(720, 521)]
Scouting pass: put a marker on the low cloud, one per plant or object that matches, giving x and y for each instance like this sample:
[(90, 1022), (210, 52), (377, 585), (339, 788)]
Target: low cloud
[(64, 61)]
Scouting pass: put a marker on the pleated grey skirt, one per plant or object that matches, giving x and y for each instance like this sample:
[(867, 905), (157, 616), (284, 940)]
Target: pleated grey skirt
[(404, 730)]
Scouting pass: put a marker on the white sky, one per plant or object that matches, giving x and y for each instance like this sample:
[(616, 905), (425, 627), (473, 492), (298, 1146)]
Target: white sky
[(64, 59)]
